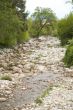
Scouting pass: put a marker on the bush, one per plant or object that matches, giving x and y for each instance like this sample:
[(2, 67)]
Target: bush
[(39, 101), (68, 59), (54, 33), (11, 25), (65, 29), (25, 36), (10, 29)]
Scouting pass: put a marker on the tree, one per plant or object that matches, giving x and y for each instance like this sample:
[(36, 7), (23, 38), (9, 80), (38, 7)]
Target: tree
[(20, 7), (43, 18), (11, 25)]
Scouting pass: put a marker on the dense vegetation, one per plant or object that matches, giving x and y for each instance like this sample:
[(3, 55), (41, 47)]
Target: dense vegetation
[(68, 59), (65, 29), (65, 32), (12, 22)]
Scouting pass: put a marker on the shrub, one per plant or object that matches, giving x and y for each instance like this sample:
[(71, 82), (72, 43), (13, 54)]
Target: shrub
[(65, 29), (24, 37), (54, 33), (68, 58), (6, 77), (11, 25), (39, 101)]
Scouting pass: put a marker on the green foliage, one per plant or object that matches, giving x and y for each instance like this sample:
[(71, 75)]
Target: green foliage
[(68, 59), (11, 25), (39, 101), (6, 77), (42, 22), (65, 29), (20, 8), (25, 36)]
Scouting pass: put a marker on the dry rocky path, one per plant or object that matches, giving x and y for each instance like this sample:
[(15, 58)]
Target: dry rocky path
[(40, 81)]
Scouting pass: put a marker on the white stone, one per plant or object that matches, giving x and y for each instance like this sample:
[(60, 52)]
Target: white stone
[(2, 99)]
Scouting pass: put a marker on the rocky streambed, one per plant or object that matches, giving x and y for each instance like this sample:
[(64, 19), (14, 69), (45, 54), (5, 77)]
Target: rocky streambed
[(40, 81)]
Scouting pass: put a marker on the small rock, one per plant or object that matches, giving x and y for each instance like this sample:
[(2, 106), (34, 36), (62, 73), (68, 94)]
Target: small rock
[(2, 99)]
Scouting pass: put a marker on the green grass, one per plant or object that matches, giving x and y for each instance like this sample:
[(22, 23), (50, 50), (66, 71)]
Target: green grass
[(46, 92), (39, 99), (6, 77)]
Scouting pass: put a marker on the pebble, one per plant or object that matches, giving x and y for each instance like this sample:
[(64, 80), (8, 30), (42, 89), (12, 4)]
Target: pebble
[(2, 99), (36, 56)]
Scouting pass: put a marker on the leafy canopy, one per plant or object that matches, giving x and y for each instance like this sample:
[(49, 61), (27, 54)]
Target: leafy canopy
[(42, 18), (11, 24)]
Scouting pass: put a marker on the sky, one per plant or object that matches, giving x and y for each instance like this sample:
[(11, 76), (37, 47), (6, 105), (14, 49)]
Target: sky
[(60, 7)]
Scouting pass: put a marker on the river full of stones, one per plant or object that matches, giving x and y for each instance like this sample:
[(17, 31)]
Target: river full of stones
[(40, 80)]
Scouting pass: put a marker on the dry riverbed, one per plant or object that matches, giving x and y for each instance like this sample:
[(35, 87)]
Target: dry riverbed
[(39, 79)]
